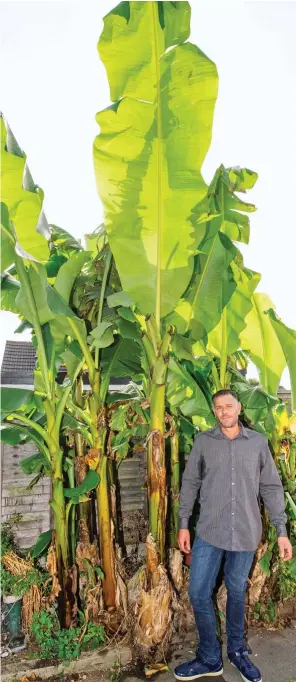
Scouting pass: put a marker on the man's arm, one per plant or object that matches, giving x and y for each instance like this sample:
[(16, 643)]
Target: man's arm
[(272, 493), (191, 483)]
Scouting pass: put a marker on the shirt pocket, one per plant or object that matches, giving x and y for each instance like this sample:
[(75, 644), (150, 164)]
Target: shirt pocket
[(250, 467)]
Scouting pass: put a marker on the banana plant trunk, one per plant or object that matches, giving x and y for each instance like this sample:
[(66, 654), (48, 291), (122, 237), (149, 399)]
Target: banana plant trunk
[(175, 484), (106, 534), (80, 463), (157, 357)]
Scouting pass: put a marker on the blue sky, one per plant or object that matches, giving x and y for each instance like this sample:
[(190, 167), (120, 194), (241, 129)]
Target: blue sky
[(52, 85)]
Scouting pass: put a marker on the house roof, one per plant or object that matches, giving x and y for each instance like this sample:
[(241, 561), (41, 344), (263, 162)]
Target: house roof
[(18, 362)]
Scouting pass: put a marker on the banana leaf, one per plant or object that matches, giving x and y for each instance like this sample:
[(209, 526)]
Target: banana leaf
[(153, 141), (224, 339), (260, 339), (287, 339), (23, 198)]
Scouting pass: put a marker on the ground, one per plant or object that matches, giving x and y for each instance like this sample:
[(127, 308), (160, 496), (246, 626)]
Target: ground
[(274, 652)]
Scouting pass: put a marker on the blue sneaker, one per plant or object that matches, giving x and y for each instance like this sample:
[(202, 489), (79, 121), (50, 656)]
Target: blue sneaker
[(247, 669), (196, 668)]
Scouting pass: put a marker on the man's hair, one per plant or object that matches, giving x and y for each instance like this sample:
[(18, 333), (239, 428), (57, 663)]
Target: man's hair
[(224, 391)]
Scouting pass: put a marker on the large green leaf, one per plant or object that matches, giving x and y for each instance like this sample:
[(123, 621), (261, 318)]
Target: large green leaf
[(89, 483), (35, 463), (38, 281), (183, 392), (9, 290), (42, 543), (72, 357), (210, 288), (122, 359), (260, 340), (224, 339), (287, 339), (225, 209), (7, 239), (23, 198), (68, 273), (102, 335), (13, 398), (12, 435), (255, 401), (218, 219), (151, 148), (64, 321)]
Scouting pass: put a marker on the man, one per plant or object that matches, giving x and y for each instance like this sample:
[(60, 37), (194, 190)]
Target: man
[(230, 466)]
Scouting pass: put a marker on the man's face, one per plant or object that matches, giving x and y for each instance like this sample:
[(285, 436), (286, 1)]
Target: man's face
[(226, 410)]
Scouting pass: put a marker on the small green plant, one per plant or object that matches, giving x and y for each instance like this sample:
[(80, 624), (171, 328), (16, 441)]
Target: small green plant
[(63, 644), (94, 636), (286, 584), (265, 613), (19, 585), (114, 672), (7, 537)]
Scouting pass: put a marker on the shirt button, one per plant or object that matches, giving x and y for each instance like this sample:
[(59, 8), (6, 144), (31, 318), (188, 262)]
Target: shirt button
[(233, 499), (232, 483), (232, 468), (232, 513)]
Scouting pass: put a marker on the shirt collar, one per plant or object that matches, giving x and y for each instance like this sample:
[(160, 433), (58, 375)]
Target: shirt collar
[(218, 433)]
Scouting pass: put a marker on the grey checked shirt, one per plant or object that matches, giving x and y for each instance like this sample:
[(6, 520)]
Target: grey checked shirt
[(230, 475)]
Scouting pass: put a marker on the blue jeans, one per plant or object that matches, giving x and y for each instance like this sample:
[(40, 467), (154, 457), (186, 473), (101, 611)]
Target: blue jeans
[(205, 565)]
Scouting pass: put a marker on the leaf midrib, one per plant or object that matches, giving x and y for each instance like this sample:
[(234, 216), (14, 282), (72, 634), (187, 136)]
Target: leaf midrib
[(154, 8)]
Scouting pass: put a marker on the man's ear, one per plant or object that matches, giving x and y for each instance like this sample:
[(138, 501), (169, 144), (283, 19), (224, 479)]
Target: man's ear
[(240, 407)]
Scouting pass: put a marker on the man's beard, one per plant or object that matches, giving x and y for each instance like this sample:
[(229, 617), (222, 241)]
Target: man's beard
[(229, 426)]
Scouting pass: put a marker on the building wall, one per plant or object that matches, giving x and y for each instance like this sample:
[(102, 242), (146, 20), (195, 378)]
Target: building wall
[(33, 505)]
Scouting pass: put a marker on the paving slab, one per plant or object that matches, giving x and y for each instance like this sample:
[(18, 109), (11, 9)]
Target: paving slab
[(273, 652)]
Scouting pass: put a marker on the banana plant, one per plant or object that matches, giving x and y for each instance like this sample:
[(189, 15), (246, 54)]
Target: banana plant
[(149, 178), (41, 293)]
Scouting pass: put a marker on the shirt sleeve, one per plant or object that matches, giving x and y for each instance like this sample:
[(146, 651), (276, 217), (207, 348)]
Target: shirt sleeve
[(191, 483), (272, 492)]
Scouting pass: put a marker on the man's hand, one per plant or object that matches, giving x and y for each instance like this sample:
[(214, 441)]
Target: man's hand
[(184, 541), (285, 548)]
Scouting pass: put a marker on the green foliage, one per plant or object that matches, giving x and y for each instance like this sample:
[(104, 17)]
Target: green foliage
[(89, 483), (7, 538), (42, 544), (265, 613), (93, 637), (19, 585), (63, 644), (114, 672), (35, 464), (286, 579)]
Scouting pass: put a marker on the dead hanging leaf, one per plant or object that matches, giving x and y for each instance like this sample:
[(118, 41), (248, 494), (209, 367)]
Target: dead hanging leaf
[(258, 578), (51, 565), (15, 564), (176, 567), (151, 553), (31, 604), (151, 670), (93, 457)]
